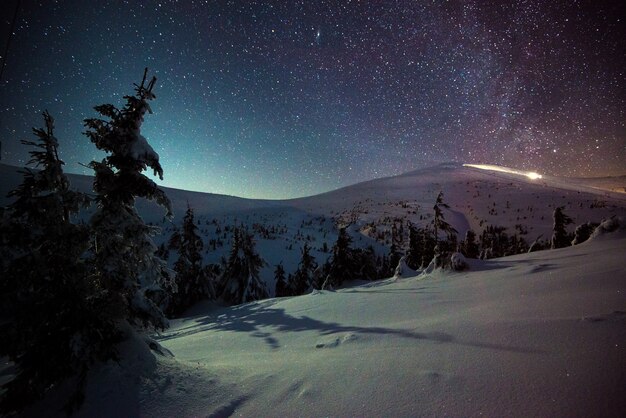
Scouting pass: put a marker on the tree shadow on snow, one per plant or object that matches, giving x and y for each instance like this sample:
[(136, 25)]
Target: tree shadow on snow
[(404, 291), (263, 320)]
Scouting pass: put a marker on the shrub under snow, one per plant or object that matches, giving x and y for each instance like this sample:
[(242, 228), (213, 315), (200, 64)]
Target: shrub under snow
[(610, 225), (458, 262)]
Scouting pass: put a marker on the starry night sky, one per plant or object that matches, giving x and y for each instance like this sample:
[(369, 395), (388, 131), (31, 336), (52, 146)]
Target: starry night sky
[(283, 99)]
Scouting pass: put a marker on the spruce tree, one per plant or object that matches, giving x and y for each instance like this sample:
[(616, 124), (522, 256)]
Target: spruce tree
[(365, 263), (385, 270), (517, 245), (494, 242), (469, 246), (341, 263), (241, 281), (192, 282), (439, 222), (452, 244), (559, 234), (232, 265), (281, 282), (395, 252), (54, 316), (501, 239), (303, 277), (428, 246), (414, 253), (122, 247)]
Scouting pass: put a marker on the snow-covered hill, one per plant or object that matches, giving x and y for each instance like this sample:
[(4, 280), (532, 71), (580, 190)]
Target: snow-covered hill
[(477, 198), (540, 334)]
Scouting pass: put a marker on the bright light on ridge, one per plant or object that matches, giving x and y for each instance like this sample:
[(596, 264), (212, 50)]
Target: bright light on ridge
[(530, 174)]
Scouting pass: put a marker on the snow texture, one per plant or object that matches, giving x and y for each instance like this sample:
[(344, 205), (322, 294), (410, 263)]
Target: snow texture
[(537, 334)]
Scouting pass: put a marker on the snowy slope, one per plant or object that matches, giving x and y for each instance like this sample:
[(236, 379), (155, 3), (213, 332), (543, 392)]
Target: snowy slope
[(532, 335), (477, 199), (540, 334)]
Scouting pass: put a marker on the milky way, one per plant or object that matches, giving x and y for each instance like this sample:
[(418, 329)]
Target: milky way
[(285, 99)]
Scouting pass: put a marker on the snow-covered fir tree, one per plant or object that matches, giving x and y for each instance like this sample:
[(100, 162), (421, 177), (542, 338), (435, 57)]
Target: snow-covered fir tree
[(240, 280), (122, 247), (54, 316), (559, 234), (439, 221), (192, 281)]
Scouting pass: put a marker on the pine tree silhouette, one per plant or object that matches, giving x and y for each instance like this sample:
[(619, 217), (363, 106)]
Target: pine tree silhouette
[(341, 262), (281, 282), (123, 251), (192, 282), (240, 281), (302, 281), (559, 235), (54, 317)]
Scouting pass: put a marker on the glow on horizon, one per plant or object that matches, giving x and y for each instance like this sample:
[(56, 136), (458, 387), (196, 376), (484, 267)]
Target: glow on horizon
[(530, 174)]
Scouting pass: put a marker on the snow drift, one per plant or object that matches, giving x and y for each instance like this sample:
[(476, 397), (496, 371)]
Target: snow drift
[(540, 334)]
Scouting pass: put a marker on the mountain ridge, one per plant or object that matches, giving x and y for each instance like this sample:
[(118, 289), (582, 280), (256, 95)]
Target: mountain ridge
[(478, 199), (614, 182)]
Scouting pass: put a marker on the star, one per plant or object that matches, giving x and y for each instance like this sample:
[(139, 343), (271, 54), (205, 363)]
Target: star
[(285, 100)]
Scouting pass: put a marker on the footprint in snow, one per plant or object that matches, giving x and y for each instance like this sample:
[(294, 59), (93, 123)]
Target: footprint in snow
[(335, 341)]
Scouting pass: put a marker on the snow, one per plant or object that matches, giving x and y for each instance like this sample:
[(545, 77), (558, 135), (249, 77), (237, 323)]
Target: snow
[(142, 151), (402, 270), (539, 334), (477, 198)]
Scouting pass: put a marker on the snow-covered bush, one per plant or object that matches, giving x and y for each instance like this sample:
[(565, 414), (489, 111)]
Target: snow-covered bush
[(458, 262), (583, 232), (402, 269), (612, 224)]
